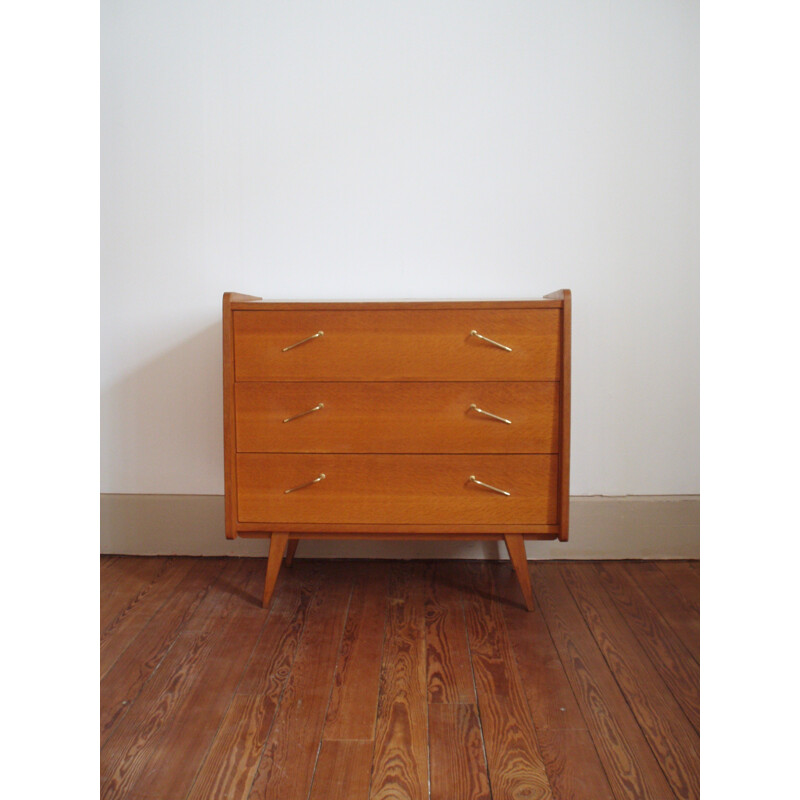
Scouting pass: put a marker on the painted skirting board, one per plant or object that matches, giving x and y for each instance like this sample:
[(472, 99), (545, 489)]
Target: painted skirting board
[(661, 526)]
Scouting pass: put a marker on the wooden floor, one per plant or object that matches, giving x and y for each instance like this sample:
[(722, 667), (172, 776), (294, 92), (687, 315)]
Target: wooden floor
[(395, 680)]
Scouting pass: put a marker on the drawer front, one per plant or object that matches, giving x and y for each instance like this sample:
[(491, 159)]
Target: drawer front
[(397, 345), (410, 489), (406, 417)]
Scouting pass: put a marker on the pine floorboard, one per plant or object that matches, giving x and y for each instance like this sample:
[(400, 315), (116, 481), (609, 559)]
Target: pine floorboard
[(398, 681)]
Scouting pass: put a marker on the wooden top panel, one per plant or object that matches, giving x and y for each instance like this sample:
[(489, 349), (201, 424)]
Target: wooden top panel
[(398, 344), (257, 304)]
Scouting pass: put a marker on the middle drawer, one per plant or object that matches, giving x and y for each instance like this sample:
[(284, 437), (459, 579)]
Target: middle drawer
[(407, 417)]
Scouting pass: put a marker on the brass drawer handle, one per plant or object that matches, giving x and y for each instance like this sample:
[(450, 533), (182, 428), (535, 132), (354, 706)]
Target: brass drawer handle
[(317, 407), (486, 414), (303, 341), (320, 477), (491, 341), (486, 485)]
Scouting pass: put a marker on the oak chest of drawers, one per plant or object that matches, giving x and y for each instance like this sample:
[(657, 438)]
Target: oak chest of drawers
[(397, 420)]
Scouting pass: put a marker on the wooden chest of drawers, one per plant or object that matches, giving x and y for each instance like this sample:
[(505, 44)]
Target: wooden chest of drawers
[(397, 420)]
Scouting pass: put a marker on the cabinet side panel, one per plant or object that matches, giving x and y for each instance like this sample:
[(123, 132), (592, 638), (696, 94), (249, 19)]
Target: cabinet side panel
[(566, 371), (229, 409)]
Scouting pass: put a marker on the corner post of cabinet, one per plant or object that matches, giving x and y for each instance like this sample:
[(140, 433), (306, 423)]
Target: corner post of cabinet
[(565, 295), (229, 424)]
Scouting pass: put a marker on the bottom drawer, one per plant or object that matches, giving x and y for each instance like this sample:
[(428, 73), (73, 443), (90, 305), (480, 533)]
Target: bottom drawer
[(397, 489)]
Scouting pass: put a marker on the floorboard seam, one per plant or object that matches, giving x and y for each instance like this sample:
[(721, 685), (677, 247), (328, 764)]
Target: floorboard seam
[(677, 588), (316, 584), (622, 692), (330, 692), (230, 701), (380, 681), (658, 611), (205, 590), (477, 698), (514, 667), (572, 687), (655, 666), (149, 620), (566, 676)]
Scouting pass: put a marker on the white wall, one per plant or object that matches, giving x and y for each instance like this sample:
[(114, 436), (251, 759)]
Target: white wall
[(388, 150)]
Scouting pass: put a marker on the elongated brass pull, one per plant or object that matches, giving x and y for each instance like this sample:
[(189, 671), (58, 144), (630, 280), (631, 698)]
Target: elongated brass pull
[(486, 485), (491, 341), (320, 477), (486, 414), (317, 407), (303, 341)]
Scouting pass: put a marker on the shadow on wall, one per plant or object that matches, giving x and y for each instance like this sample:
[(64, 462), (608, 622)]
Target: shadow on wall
[(162, 457), (161, 425)]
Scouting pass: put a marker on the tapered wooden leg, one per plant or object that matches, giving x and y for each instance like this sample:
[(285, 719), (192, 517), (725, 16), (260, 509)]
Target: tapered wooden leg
[(516, 550), (291, 550), (276, 547)]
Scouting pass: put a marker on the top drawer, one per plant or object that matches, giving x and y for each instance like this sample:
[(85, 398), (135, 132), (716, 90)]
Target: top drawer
[(397, 345)]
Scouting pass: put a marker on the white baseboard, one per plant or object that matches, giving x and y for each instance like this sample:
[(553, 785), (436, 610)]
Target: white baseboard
[(660, 526)]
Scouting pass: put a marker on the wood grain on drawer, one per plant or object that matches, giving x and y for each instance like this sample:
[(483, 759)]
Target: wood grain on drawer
[(407, 417), (411, 489), (398, 345)]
